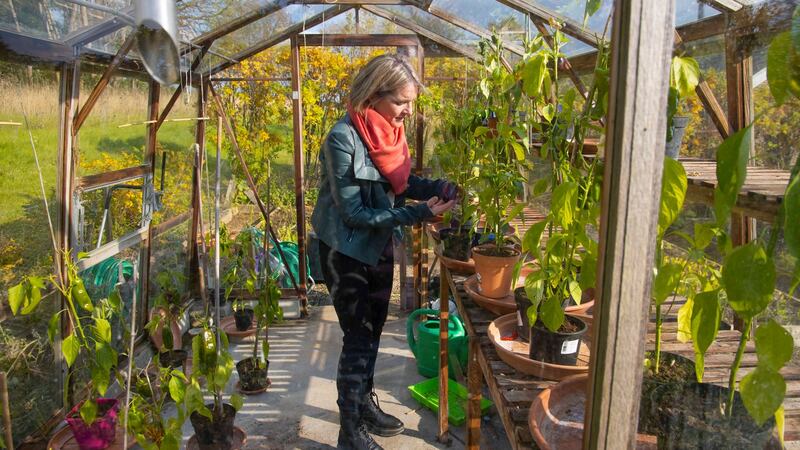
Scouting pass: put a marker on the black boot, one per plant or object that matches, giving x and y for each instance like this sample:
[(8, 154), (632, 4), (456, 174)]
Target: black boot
[(354, 436), (377, 421)]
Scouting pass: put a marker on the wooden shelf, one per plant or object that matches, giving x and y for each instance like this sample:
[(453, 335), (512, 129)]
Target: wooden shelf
[(760, 196)]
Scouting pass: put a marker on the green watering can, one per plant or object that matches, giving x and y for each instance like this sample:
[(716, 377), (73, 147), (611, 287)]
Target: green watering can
[(426, 346)]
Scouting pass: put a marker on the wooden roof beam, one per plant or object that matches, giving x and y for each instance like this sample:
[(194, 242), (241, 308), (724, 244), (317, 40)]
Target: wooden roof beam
[(240, 22), (569, 26), (439, 39), (725, 6), (313, 21)]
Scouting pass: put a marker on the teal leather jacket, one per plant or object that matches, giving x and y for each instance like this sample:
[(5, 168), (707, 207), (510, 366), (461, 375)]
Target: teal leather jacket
[(354, 214)]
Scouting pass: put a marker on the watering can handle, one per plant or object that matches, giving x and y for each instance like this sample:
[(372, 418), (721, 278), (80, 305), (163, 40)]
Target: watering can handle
[(459, 323), (412, 341)]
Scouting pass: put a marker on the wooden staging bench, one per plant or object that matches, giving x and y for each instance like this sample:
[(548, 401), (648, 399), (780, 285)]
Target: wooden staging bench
[(513, 392)]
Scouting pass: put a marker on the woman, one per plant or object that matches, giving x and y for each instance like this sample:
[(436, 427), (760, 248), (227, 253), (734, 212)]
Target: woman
[(365, 181)]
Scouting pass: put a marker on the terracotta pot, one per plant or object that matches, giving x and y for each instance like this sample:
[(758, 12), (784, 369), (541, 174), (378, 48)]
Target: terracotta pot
[(494, 272), (498, 306), (175, 326), (101, 433), (556, 417)]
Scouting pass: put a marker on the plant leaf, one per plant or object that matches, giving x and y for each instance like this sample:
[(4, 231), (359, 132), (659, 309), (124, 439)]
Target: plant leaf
[(237, 401), (705, 324), (762, 392), (102, 330), (177, 389), (685, 321), (33, 297), (563, 204), (673, 193), (774, 345), (791, 224), (667, 279), (100, 379), (70, 347), (532, 238), (703, 235), (575, 291), (780, 424), (592, 6), (52, 326), (540, 187), (88, 411), (16, 296), (551, 314), (685, 75), (783, 78), (732, 157), (748, 276)]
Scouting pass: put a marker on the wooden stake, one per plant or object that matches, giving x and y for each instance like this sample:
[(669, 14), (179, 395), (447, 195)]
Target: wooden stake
[(9, 438), (444, 313)]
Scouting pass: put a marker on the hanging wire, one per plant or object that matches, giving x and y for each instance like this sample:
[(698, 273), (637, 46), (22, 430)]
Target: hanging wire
[(130, 354)]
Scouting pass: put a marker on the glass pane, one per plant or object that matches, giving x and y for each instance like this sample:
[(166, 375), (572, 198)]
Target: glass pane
[(363, 22), (488, 14), (54, 20), (434, 24)]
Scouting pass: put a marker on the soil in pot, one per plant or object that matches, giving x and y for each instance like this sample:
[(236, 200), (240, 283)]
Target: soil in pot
[(172, 359), (691, 416), (674, 370), (101, 433), (252, 374), (495, 267), (561, 347), (214, 434), (244, 318), (456, 243)]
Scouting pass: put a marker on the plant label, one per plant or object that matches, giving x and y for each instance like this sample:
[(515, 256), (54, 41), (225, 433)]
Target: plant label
[(570, 347), (519, 319)]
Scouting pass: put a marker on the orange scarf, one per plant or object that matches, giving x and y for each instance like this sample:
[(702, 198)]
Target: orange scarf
[(387, 146)]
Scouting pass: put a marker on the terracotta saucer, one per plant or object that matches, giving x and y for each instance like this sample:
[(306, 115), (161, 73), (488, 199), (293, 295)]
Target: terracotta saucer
[(515, 353), (556, 417), (499, 306), (256, 392), (64, 439), (455, 265), (239, 439), (229, 327)]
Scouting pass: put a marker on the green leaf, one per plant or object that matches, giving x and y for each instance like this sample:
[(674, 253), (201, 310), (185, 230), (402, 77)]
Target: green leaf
[(102, 330), (684, 75), (705, 324), (484, 86), (685, 321), (782, 75), (115, 300), (34, 296), (575, 291), (177, 389), (748, 276), (532, 237), (100, 379), (780, 424), (762, 392), (592, 6), (666, 282), (791, 224), (732, 157), (548, 111), (88, 411), (703, 235), (774, 345), (551, 314), (563, 204), (533, 75), (519, 150), (105, 356), (673, 193), (540, 187), (16, 296), (237, 401), (70, 347), (52, 326)]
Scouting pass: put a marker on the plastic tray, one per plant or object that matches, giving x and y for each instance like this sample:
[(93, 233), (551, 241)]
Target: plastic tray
[(427, 393)]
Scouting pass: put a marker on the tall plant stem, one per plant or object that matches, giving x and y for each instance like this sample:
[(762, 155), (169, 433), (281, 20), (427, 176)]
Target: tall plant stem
[(659, 320), (736, 363)]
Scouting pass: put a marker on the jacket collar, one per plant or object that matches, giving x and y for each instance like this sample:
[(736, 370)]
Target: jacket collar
[(363, 167)]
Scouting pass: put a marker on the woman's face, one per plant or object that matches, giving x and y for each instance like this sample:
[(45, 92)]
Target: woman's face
[(398, 105)]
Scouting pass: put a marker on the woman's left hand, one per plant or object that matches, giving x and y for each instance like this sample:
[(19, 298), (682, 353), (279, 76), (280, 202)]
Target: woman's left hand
[(438, 206)]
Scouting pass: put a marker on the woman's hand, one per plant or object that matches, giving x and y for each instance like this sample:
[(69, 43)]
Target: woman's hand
[(439, 206)]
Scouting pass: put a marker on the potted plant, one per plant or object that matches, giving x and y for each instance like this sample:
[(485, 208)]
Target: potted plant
[(213, 423), (253, 370), (502, 146), (94, 420), (146, 420), (169, 319), (683, 79)]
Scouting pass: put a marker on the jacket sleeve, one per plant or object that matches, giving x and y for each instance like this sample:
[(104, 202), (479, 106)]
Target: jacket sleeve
[(423, 188), (346, 190)]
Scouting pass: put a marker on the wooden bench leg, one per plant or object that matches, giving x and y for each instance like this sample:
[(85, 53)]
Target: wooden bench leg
[(474, 384)]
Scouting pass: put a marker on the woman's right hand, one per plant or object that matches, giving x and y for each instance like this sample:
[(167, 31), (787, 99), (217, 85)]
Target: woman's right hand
[(438, 206)]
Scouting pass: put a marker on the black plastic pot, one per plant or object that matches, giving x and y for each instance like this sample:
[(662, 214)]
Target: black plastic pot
[(690, 417), (523, 302), (244, 318), (674, 370), (252, 376), (456, 243), (172, 359), (214, 434), (557, 348)]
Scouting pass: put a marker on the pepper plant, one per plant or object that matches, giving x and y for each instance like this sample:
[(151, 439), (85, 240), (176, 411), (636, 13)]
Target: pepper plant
[(146, 421), (89, 335), (566, 265)]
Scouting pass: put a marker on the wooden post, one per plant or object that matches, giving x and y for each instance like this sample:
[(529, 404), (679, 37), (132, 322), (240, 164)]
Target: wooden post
[(65, 182), (8, 437), (150, 157), (195, 284), (444, 357), (641, 49), (474, 388), (299, 197)]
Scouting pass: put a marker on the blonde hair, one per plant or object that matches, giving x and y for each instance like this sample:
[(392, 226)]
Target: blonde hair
[(381, 76)]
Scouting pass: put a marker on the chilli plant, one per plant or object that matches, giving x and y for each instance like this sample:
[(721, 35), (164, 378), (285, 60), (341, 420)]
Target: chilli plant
[(89, 335), (146, 421)]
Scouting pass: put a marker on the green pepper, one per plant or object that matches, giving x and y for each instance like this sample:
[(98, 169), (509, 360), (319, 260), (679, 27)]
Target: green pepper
[(80, 296)]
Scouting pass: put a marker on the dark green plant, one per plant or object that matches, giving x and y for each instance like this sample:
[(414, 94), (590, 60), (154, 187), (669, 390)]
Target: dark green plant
[(684, 76), (169, 301), (146, 419)]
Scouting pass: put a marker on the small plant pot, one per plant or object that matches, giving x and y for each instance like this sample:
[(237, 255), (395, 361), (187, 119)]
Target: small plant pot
[(252, 374), (214, 434), (457, 243), (101, 433), (559, 347), (494, 269), (674, 370), (175, 326), (691, 416), (172, 359), (244, 318), (523, 303)]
